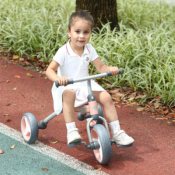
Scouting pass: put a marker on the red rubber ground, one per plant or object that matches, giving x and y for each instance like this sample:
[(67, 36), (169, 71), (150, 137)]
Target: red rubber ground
[(152, 153)]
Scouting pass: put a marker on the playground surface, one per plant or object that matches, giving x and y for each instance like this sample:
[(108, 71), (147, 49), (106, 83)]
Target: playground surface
[(23, 90)]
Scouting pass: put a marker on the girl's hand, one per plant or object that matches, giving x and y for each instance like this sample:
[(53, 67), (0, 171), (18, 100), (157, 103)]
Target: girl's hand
[(114, 70), (62, 81)]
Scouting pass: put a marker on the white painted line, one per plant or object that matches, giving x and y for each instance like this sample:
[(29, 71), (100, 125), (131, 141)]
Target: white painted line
[(51, 152)]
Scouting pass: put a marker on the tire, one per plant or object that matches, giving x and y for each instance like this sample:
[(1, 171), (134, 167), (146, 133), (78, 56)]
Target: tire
[(100, 111), (29, 128), (104, 153)]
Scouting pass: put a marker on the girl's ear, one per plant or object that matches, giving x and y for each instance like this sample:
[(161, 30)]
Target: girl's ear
[(68, 31)]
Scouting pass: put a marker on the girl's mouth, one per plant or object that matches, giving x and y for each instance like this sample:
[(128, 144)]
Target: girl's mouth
[(81, 41)]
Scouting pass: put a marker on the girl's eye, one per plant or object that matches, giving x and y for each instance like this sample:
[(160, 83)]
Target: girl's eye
[(77, 31), (86, 32)]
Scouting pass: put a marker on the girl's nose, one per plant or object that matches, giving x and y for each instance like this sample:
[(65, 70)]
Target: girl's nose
[(81, 35)]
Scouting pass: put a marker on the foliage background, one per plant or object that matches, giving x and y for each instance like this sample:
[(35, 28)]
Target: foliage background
[(144, 47)]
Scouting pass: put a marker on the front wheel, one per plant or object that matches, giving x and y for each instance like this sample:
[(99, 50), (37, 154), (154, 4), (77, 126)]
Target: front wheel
[(29, 128), (104, 153)]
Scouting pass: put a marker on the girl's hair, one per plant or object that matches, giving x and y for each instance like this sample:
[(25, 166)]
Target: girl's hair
[(83, 15)]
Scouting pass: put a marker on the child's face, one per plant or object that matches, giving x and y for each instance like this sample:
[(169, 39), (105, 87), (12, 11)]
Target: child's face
[(80, 33)]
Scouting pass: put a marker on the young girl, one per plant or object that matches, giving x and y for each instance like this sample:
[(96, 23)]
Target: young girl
[(71, 61)]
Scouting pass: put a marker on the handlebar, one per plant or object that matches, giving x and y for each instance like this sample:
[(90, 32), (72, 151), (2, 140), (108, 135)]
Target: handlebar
[(106, 74)]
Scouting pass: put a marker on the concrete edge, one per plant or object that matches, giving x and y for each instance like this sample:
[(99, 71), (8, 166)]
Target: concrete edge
[(51, 152)]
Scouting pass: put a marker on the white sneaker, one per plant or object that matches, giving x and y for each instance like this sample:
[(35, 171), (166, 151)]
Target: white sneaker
[(73, 136), (122, 138)]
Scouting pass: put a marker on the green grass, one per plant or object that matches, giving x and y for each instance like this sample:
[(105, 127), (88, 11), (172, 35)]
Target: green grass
[(144, 47)]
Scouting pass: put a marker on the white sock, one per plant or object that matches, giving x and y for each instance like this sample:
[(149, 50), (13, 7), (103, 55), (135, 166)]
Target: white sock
[(115, 126), (70, 125)]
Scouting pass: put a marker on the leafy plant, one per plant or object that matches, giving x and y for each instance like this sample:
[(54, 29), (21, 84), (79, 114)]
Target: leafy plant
[(144, 47)]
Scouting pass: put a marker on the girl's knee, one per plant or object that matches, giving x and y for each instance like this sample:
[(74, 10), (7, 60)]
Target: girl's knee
[(106, 98), (68, 95)]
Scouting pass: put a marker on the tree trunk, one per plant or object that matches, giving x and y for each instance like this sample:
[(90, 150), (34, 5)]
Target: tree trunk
[(103, 11)]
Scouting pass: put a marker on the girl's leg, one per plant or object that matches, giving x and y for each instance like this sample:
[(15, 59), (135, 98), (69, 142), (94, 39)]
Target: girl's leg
[(105, 99), (69, 116), (68, 105)]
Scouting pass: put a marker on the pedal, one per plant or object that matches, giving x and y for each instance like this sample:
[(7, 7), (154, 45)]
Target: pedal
[(113, 142), (74, 144), (126, 146)]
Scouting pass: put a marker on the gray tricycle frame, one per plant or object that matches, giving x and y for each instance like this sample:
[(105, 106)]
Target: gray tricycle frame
[(43, 123)]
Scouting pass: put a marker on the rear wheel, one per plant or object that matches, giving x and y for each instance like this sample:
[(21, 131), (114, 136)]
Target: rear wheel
[(29, 128), (104, 153)]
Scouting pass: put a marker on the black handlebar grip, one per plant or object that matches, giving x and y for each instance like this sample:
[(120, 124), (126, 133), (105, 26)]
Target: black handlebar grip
[(70, 81), (120, 71), (57, 84), (109, 74)]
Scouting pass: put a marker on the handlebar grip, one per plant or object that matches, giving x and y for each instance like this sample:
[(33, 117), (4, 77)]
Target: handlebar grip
[(120, 72), (109, 74), (70, 81), (57, 83)]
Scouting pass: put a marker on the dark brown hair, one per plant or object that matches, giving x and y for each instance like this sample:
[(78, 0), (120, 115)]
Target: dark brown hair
[(83, 15)]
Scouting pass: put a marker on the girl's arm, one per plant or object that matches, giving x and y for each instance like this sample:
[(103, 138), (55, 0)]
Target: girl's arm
[(104, 68), (51, 74)]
